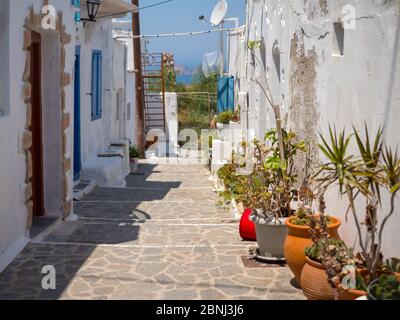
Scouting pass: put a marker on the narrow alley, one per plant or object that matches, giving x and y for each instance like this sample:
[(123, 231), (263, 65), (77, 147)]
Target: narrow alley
[(162, 237)]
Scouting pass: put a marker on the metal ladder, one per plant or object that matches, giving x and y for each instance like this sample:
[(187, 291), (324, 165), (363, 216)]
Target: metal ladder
[(154, 91)]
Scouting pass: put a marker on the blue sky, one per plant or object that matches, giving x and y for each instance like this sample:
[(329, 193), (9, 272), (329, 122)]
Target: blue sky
[(182, 16)]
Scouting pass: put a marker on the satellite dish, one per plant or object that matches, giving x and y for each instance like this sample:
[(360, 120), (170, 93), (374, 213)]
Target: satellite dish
[(219, 12)]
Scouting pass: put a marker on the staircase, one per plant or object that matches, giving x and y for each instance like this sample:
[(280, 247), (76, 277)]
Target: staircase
[(154, 91)]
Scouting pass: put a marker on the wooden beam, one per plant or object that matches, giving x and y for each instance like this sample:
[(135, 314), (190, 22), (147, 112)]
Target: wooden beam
[(137, 56)]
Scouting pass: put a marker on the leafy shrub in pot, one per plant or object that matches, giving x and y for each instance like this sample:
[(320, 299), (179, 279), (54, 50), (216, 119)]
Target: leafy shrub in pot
[(269, 188), (133, 158), (224, 117)]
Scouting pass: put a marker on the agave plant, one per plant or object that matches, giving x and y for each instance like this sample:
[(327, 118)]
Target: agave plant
[(376, 168)]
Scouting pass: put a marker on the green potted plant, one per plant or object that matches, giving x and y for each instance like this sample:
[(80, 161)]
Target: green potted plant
[(232, 186), (269, 189), (133, 158), (386, 287), (363, 177), (223, 119)]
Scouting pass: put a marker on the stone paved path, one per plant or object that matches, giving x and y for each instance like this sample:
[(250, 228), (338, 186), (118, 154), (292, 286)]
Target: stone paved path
[(160, 238)]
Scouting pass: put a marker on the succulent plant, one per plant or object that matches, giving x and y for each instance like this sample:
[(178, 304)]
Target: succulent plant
[(386, 287)]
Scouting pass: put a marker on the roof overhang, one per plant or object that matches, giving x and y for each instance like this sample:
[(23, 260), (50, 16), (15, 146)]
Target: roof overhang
[(109, 9)]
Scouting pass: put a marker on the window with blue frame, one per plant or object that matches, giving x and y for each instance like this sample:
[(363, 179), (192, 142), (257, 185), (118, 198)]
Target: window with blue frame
[(97, 85)]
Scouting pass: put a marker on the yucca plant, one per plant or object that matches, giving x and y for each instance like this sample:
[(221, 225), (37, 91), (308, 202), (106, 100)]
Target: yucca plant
[(376, 168)]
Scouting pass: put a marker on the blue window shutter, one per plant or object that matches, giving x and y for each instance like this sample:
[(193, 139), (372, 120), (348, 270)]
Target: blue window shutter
[(100, 84), (94, 89), (96, 84)]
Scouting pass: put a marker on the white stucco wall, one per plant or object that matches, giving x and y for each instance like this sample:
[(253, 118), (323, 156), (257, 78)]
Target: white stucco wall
[(131, 107), (13, 213), (96, 135), (316, 87), (130, 89)]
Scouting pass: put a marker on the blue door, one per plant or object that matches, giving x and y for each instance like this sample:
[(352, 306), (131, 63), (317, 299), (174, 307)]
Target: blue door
[(226, 94), (97, 84), (77, 116)]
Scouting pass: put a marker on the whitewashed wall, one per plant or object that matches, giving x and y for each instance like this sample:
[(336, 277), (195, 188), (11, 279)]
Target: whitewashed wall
[(13, 213), (131, 107), (316, 87), (97, 135)]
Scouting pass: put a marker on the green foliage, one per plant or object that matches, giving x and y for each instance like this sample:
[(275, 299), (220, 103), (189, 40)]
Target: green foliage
[(387, 287), (393, 265), (361, 284), (224, 117), (340, 251), (170, 80), (302, 217), (253, 44), (376, 167), (133, 152), (270, 186), (305, 217), (232, 182), (195, 111)]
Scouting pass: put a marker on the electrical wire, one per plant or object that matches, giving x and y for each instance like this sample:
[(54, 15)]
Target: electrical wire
[(180, 34), (153, 5)]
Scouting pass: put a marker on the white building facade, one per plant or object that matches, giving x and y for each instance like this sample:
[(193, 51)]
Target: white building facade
[(35, 121), (331, 62), (62, 109)]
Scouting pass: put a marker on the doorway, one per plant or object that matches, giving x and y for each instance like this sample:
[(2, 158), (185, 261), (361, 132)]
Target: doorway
[(36, 127), (120, 115)]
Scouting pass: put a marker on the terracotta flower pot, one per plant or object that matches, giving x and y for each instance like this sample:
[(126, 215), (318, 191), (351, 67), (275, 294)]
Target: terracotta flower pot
[(314, 282), (397, 274), (298, 239), (351, 294)]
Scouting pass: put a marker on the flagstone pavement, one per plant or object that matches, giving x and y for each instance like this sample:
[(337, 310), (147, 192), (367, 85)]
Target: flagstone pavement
[(162, 237)]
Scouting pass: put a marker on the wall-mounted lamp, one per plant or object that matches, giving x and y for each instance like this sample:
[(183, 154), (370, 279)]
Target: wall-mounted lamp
[(92, 9)]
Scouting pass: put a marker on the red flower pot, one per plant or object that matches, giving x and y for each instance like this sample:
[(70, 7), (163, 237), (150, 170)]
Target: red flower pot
[(247, 228)]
